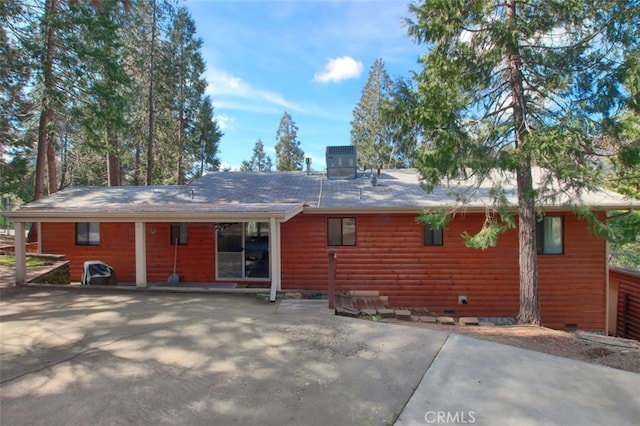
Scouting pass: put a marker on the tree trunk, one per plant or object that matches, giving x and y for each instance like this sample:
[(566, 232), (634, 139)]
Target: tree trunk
[(52, 169), (41, 159), (46, 113), (113, 162), (151, 129), (528, 256)]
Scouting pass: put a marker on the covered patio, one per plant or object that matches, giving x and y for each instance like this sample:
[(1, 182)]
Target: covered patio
[(244, 238)]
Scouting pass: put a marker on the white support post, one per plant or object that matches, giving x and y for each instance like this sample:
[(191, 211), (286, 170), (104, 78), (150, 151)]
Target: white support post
[(39, 237), (141, 255), (20, 253), (274, 255)]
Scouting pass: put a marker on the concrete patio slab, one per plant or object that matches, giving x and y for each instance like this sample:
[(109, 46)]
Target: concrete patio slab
[(473, 381), (77, 358)]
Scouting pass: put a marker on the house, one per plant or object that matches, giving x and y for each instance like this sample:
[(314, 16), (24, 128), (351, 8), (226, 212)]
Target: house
[(275, 230)]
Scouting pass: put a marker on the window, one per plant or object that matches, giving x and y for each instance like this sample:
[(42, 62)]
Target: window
[(432, 236), (88, 233), (341, 231), (179, 234), (549, 235)]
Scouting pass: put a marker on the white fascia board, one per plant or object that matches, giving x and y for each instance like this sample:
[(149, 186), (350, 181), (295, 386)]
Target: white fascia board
[(146, 217), (461, 208)]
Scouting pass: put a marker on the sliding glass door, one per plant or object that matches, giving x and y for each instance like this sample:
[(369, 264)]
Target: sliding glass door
[(243, 250)]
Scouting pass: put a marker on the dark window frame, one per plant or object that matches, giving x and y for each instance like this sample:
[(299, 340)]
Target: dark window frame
[(332, 240), (179, 231), (84, 231), (432, 237), (541, 235)]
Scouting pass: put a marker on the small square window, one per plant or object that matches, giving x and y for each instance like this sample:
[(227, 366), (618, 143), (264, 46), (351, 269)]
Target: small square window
[(549, 235), (88, 233), (341, 231), (179, 234), (432, 236)]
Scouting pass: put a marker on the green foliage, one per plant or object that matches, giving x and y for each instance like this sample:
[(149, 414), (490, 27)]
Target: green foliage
[(207, 137), (572, 89), (289, 155), (516, 86), (259, 162), (435, 218), (92, 86), (371, 128), (485, 238)]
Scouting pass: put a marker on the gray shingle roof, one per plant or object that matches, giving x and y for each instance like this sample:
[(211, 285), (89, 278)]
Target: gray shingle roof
[(285, 193)]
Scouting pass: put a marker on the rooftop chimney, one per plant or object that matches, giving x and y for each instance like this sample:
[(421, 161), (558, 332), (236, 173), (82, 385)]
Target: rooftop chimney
[(308, 163)]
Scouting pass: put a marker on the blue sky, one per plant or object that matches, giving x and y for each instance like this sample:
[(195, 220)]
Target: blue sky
[(309, 58)]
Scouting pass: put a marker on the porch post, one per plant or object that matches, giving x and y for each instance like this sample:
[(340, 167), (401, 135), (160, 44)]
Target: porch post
[(141, 255), (39, 237), (274, 255), (20, 253)]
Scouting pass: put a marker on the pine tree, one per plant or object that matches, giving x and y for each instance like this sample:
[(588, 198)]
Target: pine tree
[(15, 106), (259, 162), (289, 155), (516, 85), (186, 66), (371, 130), (207, 137)]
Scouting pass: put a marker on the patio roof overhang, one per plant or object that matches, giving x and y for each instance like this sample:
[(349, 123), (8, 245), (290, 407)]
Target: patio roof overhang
[(215, 212)]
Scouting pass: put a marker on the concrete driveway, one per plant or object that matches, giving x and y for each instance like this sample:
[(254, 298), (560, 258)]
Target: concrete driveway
[(90, 357), (87, 357)]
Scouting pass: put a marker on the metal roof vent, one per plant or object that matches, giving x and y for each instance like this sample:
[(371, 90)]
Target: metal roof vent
[(342, 162)]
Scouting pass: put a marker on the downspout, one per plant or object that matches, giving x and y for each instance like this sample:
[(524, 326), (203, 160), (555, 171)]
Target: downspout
[(607, 312), (274, 253)]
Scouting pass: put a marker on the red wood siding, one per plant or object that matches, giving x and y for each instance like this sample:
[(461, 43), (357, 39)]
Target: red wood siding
[(117, 247), (195, 261), (628, 306), (390, 257)]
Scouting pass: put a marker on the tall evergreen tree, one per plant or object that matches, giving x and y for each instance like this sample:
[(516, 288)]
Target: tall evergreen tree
[(186, 66), (371, 130), (289, 155), (104, 104), (514, 85), (207, 137), (259, 162), (15, 106)]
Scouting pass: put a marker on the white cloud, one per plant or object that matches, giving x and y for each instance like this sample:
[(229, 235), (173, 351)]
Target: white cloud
[(224, 121), (227, 89), (339, 69)]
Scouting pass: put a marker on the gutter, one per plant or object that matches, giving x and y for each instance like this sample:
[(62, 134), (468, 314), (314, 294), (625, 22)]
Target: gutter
[(66, 216)]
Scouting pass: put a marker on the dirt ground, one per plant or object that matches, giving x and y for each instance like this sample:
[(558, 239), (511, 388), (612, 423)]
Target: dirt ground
[(612, 352)]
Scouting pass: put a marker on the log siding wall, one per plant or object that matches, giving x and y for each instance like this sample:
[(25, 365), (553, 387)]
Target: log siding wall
[(390, 257), (195, 260)]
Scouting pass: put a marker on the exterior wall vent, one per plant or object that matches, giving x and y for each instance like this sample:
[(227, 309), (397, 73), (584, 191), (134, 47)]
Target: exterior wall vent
[(342, 162)]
